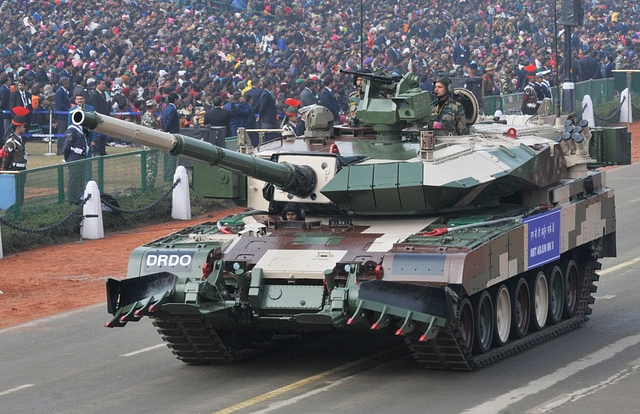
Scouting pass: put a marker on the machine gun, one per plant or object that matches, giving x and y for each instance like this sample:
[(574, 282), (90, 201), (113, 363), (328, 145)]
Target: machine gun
[(373, 77)]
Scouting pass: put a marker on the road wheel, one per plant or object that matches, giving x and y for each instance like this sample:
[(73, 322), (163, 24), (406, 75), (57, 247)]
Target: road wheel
[(520, 309), (466, 323), (539, 301), (502, 314), (571, 288), (484, 323), (556, 295)]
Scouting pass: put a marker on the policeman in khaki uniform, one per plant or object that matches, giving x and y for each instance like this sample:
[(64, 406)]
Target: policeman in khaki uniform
[(450, 115)]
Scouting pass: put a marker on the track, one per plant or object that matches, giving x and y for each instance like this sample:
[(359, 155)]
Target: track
[(195, 341), (447, 349)]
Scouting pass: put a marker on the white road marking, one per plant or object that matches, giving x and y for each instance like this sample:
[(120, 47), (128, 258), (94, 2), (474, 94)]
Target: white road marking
[(634, 201), (291, 401), (576, 395), (604, 297), (16, 389), (619, 266), (503, 401), (139, 351), (306, 381)]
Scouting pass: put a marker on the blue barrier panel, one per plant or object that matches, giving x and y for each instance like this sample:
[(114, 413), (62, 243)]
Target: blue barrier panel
[(8, 190)]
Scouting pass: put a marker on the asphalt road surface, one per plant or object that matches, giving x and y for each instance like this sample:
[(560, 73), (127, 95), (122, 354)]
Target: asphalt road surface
[(69, 363)]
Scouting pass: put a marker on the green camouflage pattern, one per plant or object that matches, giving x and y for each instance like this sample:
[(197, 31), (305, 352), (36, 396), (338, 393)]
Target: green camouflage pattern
[(452, 118), (150, 121), (506, 83)]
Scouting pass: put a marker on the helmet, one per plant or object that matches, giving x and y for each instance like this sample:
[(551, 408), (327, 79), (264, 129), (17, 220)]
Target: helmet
[(447, 84), (295, 208)]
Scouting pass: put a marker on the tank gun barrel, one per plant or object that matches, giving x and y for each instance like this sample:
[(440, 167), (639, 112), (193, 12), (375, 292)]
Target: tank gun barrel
[(299, 180), (376, 78)]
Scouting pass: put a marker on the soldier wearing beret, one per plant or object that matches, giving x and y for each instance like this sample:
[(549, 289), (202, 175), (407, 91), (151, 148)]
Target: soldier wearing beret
[(530, 98), (13, 155)]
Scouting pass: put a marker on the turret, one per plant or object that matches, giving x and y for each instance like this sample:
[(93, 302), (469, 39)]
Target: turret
[(391, 103), (436, 178)]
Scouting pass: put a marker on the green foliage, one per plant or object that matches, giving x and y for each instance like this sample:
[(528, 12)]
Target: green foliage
[(38, 217), (41, 216), (605, 110)]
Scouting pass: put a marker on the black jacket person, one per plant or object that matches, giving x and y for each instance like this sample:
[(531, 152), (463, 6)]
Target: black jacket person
[(75, 148)]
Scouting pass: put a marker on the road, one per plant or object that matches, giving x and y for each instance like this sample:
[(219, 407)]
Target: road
[(69, 363)]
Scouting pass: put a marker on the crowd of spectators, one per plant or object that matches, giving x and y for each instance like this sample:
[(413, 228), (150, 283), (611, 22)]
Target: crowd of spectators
[(206, 50)]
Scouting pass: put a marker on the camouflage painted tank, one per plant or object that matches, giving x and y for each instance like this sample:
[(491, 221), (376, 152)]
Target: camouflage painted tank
[(470, 247)]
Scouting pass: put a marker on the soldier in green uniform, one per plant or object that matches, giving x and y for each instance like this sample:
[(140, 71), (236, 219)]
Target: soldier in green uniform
[(621, 59), (505, 78), (450, 116), (13, 154), (149, 120), (354, 100)]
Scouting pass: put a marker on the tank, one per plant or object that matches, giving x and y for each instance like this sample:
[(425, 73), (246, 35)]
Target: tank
[(469, 248)]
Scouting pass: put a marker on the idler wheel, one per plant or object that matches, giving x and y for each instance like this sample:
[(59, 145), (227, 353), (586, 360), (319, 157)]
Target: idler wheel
[(466, 323), (571, 289)]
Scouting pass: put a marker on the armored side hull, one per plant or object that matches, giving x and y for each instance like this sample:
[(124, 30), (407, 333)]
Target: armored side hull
[(464, 289)]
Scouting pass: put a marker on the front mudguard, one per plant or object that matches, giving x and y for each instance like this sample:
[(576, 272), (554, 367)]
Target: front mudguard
[(408, 304), (123, 293)]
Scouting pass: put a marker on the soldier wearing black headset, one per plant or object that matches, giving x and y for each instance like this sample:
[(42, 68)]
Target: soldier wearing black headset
[(450, 115)]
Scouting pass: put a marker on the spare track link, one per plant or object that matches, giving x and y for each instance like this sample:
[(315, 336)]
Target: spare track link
[(194, 341), (447, 349)]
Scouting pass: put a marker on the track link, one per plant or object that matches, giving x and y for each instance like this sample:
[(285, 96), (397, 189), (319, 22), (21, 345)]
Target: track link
[(447, 349), (194, 341)]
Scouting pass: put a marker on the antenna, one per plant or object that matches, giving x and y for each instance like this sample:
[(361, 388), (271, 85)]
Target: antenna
[(361, 35)]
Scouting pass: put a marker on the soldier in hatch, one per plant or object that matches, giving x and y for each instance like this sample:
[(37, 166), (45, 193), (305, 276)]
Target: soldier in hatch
[(292, 211), (354, 99), (450, 116)]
